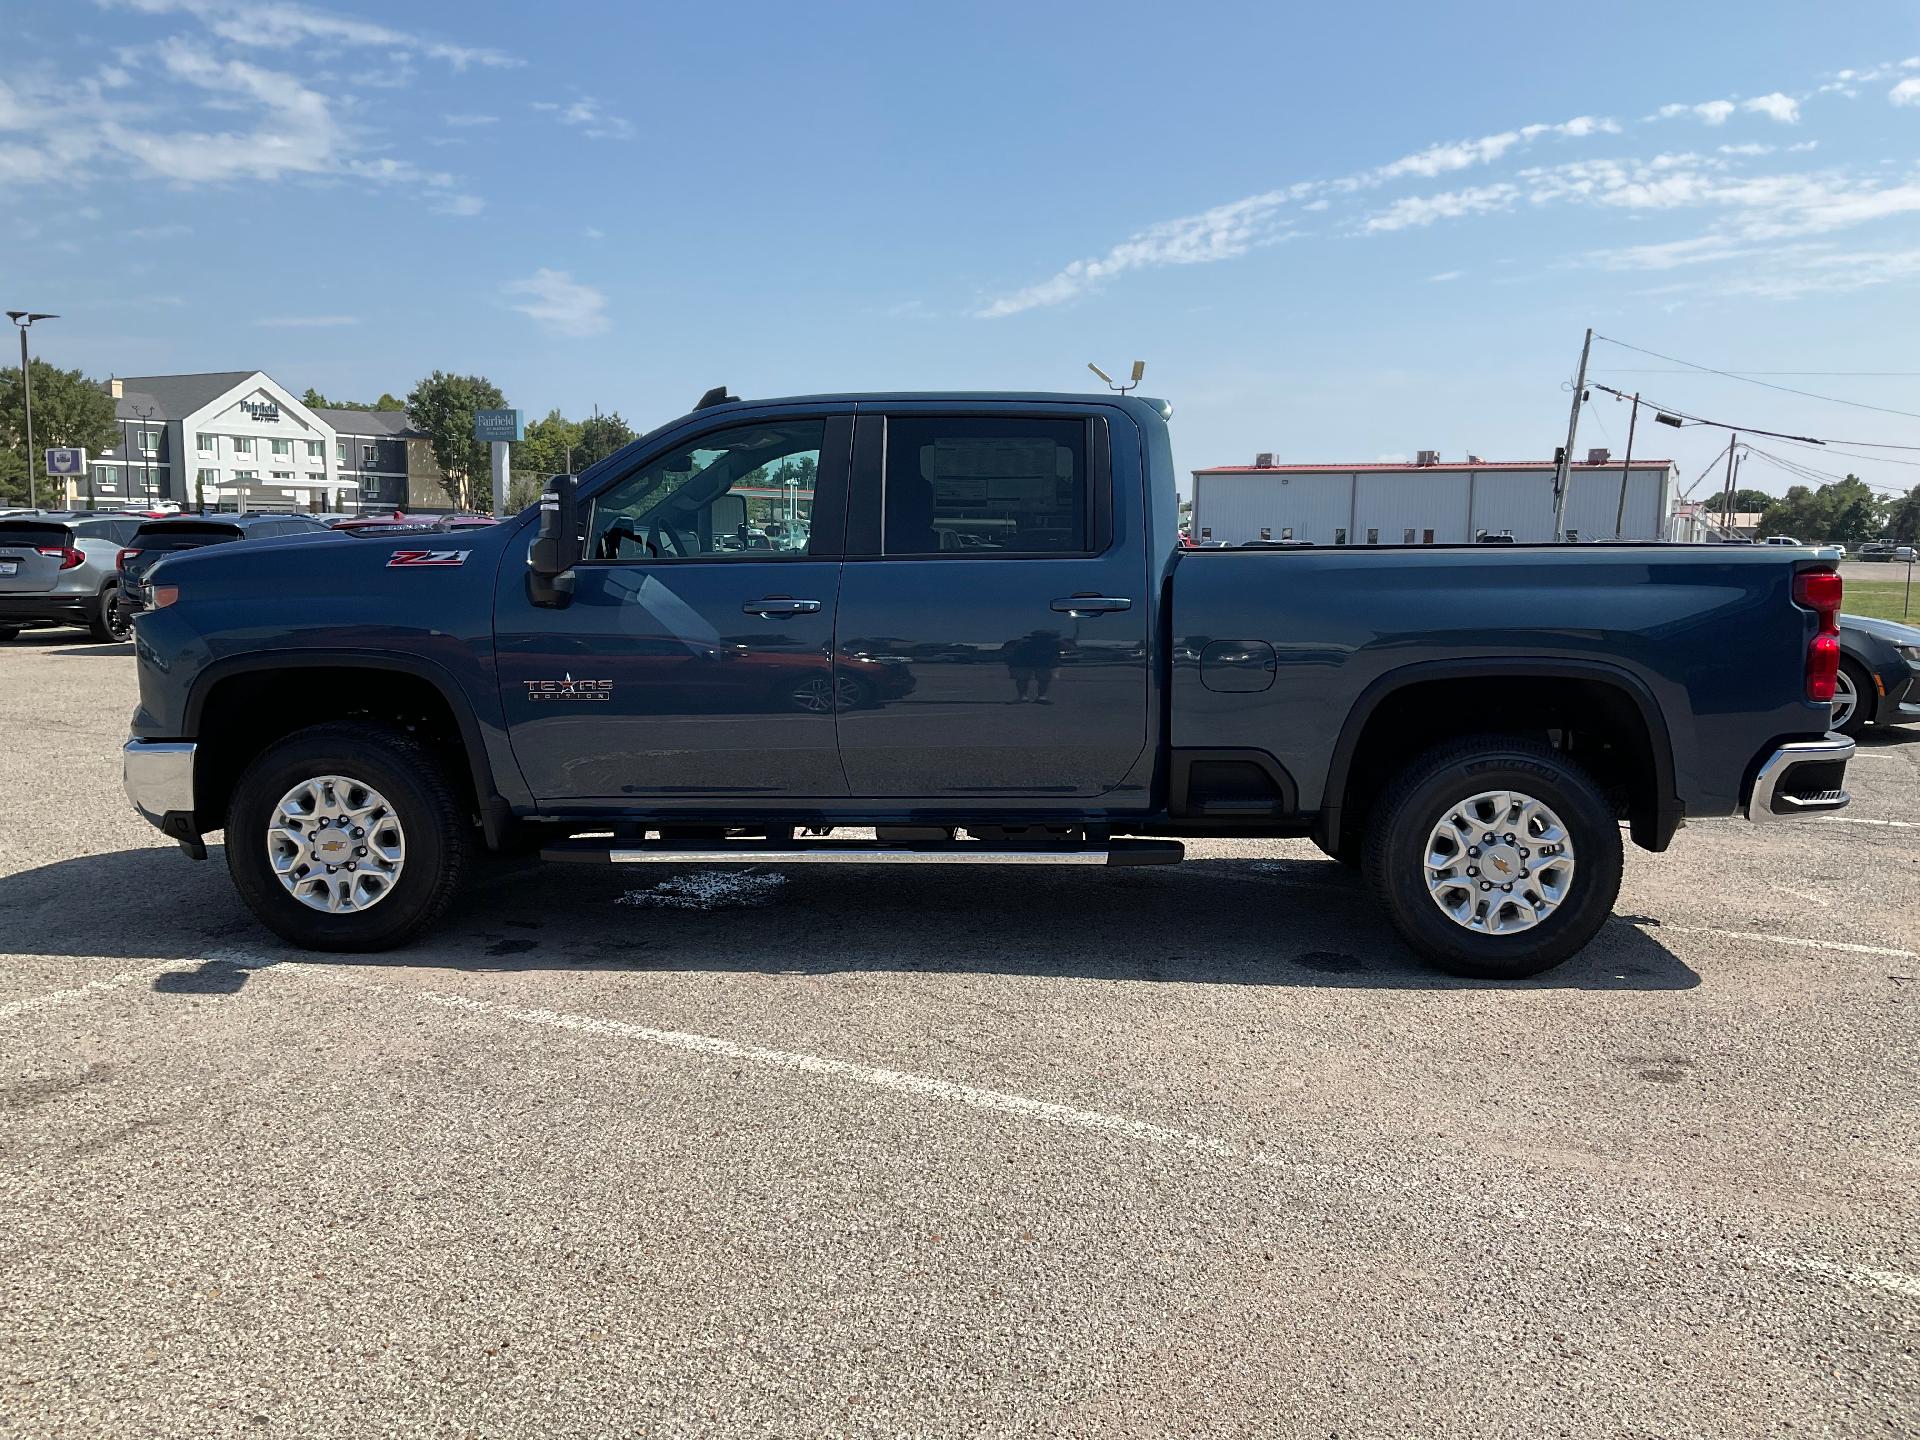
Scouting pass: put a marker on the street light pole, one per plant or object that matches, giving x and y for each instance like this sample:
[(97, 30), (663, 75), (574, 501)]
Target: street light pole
[(145, 412), (24, 318)]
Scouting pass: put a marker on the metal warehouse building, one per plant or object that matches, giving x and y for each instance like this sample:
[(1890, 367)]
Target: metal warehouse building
[(1430, 502)]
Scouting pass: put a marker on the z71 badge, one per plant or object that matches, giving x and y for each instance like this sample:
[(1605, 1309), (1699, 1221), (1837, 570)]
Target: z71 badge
[(413, 559), (569, 689)]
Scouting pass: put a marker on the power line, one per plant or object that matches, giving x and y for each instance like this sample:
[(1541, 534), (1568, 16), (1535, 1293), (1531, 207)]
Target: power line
[(1826, 449), (1736, 375), (1675, 410), (1808, 472), (1746, 374)]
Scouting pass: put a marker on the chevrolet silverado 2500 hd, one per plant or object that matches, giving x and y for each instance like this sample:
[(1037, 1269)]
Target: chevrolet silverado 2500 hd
[(985, 644)]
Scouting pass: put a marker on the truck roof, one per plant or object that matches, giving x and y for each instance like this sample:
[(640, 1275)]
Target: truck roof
[(1161, 408)]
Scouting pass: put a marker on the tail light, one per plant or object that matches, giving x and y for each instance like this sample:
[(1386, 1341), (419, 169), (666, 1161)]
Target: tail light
[(1819, 591), (125, 558), (68, 557)]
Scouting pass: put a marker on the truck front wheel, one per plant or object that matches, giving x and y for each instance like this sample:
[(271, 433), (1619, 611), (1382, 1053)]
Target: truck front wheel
[(1496, 857), (347, 837)]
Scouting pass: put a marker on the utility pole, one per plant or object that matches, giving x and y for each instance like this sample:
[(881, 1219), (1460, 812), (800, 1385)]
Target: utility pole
[(1626, 471), (1726, 499), (24, 318), (1560, 474)]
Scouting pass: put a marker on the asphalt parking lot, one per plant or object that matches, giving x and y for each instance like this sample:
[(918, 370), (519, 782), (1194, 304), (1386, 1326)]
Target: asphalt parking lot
[(1199, 1151)]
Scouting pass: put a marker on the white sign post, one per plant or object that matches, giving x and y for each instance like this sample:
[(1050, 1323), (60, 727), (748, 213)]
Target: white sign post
[(501, 468)]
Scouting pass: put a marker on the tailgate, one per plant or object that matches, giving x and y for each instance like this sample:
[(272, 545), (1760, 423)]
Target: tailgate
[(24, 569)]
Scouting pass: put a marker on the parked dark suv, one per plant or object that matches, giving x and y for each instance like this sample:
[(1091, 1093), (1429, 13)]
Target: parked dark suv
[(157, 539)]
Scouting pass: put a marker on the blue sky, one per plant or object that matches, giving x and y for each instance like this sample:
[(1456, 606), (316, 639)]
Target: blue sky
[(1337, 233)]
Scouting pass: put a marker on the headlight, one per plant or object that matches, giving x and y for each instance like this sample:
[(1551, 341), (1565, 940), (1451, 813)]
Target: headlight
[(1909, 653)]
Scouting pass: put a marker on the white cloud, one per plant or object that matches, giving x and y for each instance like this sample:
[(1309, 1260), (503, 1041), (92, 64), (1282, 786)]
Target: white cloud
[(1444, 276), (594, 232), (1418, 210), (281, 25), (308, 322), (1907, 92), (1714, 112), (1217, 234), (1232, 229), (159, 232), (467, 121), (588, 118), (459, 204), (1749, 149), (1783, 108), (558, 303)]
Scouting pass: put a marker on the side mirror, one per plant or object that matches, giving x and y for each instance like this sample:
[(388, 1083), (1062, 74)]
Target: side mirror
[(551, 560)]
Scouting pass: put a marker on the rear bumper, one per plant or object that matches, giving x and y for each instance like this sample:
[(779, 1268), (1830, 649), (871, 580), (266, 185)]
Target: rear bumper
[(49, 609), (1805, 777), (158, 775)]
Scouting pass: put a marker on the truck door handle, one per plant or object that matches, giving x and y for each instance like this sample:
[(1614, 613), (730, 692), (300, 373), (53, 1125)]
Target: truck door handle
[(775, 605), (1090, 604)]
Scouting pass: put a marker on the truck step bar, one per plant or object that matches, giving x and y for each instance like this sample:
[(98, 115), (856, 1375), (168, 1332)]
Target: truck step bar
[(842, 852)]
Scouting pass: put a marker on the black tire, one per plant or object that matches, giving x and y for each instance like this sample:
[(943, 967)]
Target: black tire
[(109, 624), (1415, 802), (9, 632), (438, 835), (1864, 691)]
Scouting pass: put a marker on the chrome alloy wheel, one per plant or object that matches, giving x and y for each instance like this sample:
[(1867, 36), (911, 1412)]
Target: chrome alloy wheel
[(1499, 862), (1846, 699), (336, 844)]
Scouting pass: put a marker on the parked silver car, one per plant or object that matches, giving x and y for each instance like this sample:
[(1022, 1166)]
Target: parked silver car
[(58, 569)]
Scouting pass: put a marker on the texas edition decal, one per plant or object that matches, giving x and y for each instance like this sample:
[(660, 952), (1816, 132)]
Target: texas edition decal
[(417, 559), (569, 689)]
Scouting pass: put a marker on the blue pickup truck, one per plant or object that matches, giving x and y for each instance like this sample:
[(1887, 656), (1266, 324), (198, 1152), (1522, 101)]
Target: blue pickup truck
[(984, 645)]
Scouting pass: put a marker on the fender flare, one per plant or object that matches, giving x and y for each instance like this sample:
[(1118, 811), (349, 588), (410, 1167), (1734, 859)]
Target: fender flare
[(495, 813), (1667, 807)]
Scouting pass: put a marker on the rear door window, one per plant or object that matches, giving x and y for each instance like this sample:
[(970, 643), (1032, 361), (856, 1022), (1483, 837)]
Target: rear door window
[(986, 486)]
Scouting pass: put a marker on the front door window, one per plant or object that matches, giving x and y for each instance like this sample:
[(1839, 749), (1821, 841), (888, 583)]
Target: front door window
[(740, 494)]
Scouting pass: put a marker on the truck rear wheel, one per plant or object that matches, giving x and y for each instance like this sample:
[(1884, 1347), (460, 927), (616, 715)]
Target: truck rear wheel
[(347, 837), (1495, 857)]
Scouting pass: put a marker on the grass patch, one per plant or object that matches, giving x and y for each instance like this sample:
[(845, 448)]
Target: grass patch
[(1882, 599)]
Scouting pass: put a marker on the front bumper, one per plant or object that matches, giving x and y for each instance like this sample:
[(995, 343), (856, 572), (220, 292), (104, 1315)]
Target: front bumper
[(1804, 777), (158, 775)]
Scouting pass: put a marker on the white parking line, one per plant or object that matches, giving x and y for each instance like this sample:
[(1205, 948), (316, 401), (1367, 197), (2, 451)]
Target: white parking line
[(1857, 820), (1119, 1127), (1799, 940), (30, 1003)]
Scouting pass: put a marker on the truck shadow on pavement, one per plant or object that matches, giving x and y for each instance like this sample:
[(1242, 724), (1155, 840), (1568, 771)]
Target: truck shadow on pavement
[(1230, 922)]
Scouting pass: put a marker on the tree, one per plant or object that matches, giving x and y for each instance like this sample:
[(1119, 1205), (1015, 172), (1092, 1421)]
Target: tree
[(443, 406), (68, 410), (1745, 502), (1901, 519), (552, 446), (1845, 511), (314, 400), (600, 437)]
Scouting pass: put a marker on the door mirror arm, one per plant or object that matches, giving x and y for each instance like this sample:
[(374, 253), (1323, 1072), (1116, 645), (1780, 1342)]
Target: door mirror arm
[(556, 551)]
